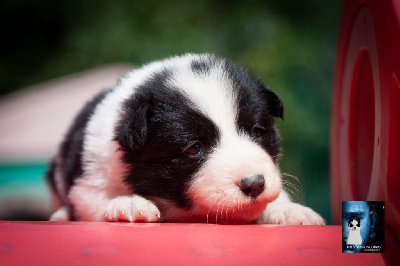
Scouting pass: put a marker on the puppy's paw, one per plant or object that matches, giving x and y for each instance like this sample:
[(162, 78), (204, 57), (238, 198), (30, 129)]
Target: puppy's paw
[(131, 209), (289, 213), (61, 215)]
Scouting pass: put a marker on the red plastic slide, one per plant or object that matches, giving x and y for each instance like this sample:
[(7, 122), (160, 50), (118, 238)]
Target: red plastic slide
[(365, 135)]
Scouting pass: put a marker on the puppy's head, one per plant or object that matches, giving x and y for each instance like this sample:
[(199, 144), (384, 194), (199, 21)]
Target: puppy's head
[(199, 140), (354, 224)]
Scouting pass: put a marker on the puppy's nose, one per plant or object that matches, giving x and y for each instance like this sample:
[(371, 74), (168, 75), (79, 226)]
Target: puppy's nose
[(252, 186)]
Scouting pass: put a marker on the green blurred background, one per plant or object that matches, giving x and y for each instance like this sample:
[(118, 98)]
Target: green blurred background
[(289, 44)]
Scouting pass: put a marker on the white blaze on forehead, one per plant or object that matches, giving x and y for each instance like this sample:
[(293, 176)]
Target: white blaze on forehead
[(211, 92)]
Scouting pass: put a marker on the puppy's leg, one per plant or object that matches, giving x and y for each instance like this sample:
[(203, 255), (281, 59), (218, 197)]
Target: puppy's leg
[(283, 211), (102, 202)]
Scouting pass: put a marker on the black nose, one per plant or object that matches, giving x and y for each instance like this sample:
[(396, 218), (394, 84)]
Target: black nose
[(252, 186)]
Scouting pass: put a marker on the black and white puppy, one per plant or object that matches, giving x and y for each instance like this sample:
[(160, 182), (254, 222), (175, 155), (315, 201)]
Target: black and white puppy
[(354, 232), (186, 139)]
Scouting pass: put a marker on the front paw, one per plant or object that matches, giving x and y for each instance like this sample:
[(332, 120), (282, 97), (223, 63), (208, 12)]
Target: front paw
[(131, 209), (289, 213)]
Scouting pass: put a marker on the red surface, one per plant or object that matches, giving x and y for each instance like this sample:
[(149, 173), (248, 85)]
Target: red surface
[(49, 243), (365, 132)]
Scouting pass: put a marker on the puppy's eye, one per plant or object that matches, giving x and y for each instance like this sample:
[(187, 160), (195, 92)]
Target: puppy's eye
[(258, 132), (195, 148)]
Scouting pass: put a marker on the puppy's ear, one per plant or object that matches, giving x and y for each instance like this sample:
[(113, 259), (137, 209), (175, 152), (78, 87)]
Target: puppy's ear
[(131, 130), (275, 104)]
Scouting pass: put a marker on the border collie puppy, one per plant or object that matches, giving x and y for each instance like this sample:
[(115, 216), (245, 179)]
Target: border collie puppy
[(187, 139)]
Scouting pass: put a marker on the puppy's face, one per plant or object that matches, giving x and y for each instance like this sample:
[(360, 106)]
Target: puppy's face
[(200, 141), (354, 225)]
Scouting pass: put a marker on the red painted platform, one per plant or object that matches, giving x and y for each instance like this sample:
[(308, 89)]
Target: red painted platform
[(77, 243)]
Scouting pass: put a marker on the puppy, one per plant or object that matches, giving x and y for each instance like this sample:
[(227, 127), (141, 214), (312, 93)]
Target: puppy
[(354, 232), (186, 139)]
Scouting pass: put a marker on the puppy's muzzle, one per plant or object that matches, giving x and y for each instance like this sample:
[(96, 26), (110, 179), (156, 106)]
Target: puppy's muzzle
[(252, 186)]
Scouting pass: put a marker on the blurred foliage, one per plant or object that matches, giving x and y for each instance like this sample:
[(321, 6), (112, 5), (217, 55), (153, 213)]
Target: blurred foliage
[(288, 44)]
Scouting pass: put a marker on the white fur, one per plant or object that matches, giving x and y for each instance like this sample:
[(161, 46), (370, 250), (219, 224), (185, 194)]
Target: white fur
[(212, 94), (101, 195), (61, 215)]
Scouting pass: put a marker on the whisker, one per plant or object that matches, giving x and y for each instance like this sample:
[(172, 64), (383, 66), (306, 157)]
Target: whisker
[(216, 216), (293, 184), (197, 207), (297, 188), (196, 195), (293, 176), (289, 190), (294, 191), (209, 211)]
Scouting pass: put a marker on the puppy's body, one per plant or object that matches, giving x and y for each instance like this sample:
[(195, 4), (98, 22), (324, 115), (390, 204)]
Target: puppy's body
[(187, 139)]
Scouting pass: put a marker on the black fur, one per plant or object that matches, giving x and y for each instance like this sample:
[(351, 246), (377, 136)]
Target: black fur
[(155, 134), (201, 66), (243, 79), (50, 175), (257, 104)]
